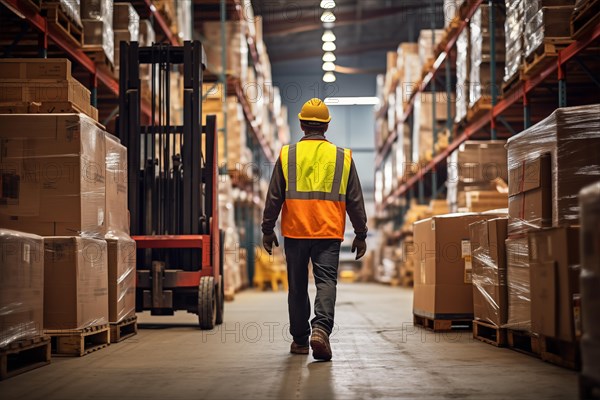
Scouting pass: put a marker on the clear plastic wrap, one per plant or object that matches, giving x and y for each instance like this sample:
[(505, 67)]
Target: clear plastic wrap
[(426, 47), (21, 286), (121, 254), (480, 78), (517, 276), (71, 8), (55, 164), (488, 252), (514, 29), (75, 282), (546, 23), (97, 20), (117, 215), (549, 164), (462, 75), (589, 202), (146, 35), (125, 18), (450, 11), (237, 49)]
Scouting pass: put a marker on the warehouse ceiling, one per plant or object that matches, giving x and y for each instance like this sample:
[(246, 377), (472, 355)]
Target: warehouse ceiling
[(365, 30)]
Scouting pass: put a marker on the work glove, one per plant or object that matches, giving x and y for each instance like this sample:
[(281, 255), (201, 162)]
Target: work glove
[(268, 240), (360, 245)]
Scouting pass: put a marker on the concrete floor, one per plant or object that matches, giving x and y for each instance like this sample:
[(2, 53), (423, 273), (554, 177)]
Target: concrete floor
[(377, 354)]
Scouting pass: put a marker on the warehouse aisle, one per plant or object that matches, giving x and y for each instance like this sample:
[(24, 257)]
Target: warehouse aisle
[(377, 354)]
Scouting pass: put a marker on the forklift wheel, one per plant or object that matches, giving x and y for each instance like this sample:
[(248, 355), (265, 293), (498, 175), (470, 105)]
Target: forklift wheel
[(220, 301), (207, 304)]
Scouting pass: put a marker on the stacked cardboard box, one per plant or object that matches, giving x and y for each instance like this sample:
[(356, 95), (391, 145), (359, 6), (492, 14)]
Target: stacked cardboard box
[(409, 71), (549, 164), (546, 20), (427, 41), (481, 80), (36, 85), (237, 48), (21, 286), (462, 75), (477, 171), (97, 17), (54, 166), (589, 200), (75, 282), (126, 28), (490, 293), (121, 249), (422, 133), (442, 287), (514, 30)]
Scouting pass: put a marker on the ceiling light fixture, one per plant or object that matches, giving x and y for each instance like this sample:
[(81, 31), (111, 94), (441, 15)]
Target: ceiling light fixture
[(329, 46), (328, 66), (328, 36), (329, 77), (327, 4), (329, 57), (327, 16)]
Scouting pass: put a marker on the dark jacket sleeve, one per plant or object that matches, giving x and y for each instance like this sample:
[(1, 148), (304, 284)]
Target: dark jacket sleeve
[(275, 199), (355, 205)]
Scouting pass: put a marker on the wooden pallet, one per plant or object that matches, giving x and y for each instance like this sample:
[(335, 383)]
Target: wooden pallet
[(544, 55), (560, 352), (489, 333), (480, 107), (523, 342), (585, 18), (79, 342), (122, 330), (98, 56), (589, 388), (24, 355), (511, 84), (57, 17), (442, 325)]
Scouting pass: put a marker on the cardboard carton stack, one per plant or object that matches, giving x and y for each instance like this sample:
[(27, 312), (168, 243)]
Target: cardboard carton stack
[(477, 176), (514, 30), (36, 85), (422, 133), (589, 200), (126, 28), (409, 72), (481, 80), (427, 41), (97, 20), (237, 48), (21, 286), (549, 164), (545, 20), (490, 294), (232, 274), (442, 287)]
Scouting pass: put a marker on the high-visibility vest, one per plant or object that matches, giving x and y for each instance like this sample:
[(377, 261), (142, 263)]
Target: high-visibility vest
[(316, 178)]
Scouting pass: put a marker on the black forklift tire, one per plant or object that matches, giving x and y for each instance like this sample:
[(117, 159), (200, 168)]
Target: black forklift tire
[(207, 303), (220, 301)]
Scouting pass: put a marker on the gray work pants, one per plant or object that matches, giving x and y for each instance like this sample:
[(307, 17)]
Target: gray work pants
[(325, 255)]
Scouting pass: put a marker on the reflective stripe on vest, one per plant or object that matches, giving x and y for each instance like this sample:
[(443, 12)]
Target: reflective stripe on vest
[(316, 174)]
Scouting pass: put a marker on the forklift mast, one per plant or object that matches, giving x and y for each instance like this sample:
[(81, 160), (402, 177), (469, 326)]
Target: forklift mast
[(172, 176)]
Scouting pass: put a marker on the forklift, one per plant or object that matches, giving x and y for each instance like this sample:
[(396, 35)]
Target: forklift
[(173, 192)]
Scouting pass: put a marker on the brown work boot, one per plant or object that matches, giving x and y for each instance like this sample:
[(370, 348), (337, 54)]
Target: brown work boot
[(319, 341), (298, 349)]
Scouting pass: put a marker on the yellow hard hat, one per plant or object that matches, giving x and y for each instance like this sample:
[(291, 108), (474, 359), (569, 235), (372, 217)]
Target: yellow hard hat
[(314, 110)]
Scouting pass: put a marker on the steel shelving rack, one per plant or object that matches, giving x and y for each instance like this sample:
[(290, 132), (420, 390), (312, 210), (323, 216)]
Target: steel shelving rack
[(512, 109)]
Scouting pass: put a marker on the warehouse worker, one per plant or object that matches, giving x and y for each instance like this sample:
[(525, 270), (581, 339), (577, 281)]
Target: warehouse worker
[(316, 184)]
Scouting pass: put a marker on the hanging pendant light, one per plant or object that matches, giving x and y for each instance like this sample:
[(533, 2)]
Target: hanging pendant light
[(327, 16), (329, 77), (327, 4), (329, 57), (328, 36), (328, 66), (329, 46)]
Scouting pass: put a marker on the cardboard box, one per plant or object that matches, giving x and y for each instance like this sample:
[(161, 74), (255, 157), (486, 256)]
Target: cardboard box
[(554, 259), (117, 214), (121, 278), (21, 286), (54, 169), (571, 136), (442, 287), (58, 91), (35, 68), (48, 107), (490, 292), (517, 277), (75, 282), (530, 195)]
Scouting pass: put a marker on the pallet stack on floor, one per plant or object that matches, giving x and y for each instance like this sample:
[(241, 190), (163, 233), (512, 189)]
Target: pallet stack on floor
[(65, 179)]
